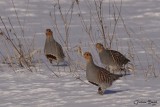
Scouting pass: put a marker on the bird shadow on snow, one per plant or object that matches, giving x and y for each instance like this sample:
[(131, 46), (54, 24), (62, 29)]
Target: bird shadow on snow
[(114, 91), (62, 64)]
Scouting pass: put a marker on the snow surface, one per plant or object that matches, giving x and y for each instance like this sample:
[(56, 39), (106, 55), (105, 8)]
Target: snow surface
[(41, 88)]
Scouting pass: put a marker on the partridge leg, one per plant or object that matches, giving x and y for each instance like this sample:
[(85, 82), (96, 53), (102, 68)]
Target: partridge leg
[(50, 60), (100, 91)]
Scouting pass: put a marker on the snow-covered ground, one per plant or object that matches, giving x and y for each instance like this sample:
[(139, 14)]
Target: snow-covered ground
[(41, 88)]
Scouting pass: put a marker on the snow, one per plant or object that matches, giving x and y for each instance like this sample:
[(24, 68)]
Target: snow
[(41, 88), (38, 89)]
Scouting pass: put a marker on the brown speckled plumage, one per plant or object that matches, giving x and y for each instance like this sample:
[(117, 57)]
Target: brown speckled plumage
[(98, 75)]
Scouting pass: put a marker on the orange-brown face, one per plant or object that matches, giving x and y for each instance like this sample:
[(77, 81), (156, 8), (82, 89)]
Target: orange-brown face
[(87, 56), (99, 47), (49, 32)]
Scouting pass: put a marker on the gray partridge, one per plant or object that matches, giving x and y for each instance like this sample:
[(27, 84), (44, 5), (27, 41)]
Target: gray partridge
[(98, 75), (114, 60), (52, 49)]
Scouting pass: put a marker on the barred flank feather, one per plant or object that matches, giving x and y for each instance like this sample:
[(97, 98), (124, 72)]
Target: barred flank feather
[(106, 77), (118, 57)]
